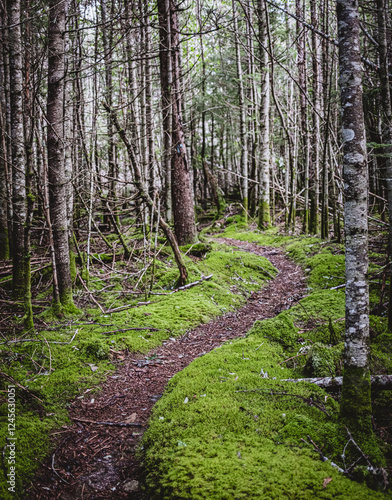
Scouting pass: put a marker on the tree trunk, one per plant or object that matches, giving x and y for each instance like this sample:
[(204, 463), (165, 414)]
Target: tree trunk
[(355, 407), (4, 178), (243, 131), (107, 40), (166, 92), (386, 127), (182, 196), (304, 132), (264, 208), (314, 221), (17, 148), (55, 145)]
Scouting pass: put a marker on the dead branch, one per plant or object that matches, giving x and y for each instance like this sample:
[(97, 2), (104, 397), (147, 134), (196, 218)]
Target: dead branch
[(19, 341), (113, 424), (308, 401), (129, 329), (143, 191), (190, 285), (381, 382), (293, 357), (123, 308), (14, 382)]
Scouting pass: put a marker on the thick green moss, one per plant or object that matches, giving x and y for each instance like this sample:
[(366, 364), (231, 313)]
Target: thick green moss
[(70, 368), (280, 329), (228, 427), (323, 360), (223, 430), (324, 305)]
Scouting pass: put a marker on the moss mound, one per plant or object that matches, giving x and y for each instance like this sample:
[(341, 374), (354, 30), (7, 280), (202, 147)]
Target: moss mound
[(224, 430), (229, 427)]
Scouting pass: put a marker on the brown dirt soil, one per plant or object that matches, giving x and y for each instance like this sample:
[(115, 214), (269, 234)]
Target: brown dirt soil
[(97, 461)]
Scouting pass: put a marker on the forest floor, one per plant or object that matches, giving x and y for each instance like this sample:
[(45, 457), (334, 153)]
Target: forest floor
[(94, 459)]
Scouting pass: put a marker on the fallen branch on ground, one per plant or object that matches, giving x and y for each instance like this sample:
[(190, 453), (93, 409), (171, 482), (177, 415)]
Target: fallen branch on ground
[(190, 285), (14, 382), (113, 424), (123, 308), (128, 329), (293, 357), (19, 341), (335, 383), (310, 401)]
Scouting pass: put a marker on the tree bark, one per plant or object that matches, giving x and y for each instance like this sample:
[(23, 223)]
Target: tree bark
[(17, 147), (264, 208), (55, 146), (314, 221), (386, 126), (182, 196), (304, 129), (241, 102), (356, 402), (166, 95), (4, 178)]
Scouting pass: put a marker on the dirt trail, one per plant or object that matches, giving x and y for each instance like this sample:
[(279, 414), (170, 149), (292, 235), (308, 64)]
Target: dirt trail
[(94, 461)]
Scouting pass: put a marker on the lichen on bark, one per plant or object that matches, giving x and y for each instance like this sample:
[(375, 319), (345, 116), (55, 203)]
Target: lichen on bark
[(356, 396)]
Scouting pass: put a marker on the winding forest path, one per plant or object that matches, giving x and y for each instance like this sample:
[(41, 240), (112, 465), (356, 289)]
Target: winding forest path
[(93, 461)]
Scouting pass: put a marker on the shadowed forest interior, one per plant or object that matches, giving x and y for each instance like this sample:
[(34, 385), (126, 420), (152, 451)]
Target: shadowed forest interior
[(168, 166)]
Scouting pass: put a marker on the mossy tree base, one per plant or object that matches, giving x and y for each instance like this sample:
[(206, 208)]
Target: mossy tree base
[(356, 406), (264, 216)]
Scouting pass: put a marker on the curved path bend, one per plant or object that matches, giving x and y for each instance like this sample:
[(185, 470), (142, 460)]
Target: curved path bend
[(93, 461)]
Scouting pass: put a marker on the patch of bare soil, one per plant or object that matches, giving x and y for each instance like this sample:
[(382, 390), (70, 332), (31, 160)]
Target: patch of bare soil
[(94, 459)]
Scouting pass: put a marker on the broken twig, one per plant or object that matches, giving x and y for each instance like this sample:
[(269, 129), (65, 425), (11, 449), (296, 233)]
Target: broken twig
[(113, 424)]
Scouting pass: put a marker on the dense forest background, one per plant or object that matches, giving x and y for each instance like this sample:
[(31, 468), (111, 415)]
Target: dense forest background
[(114, 114)]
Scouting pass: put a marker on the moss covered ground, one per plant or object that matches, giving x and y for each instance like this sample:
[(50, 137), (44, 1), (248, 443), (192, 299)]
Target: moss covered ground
[(229, 427), (72, 357)]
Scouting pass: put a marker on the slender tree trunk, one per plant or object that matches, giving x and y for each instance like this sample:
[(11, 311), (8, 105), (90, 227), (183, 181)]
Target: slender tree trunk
[(17, 146), (243, 131), (55, 145), (355, 407), (149, 108), (4, 178), (265, 155), (165, 60), (107, 39), (304, 129), (68, 135), (386, 126), (29, 119), (314, 221)]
